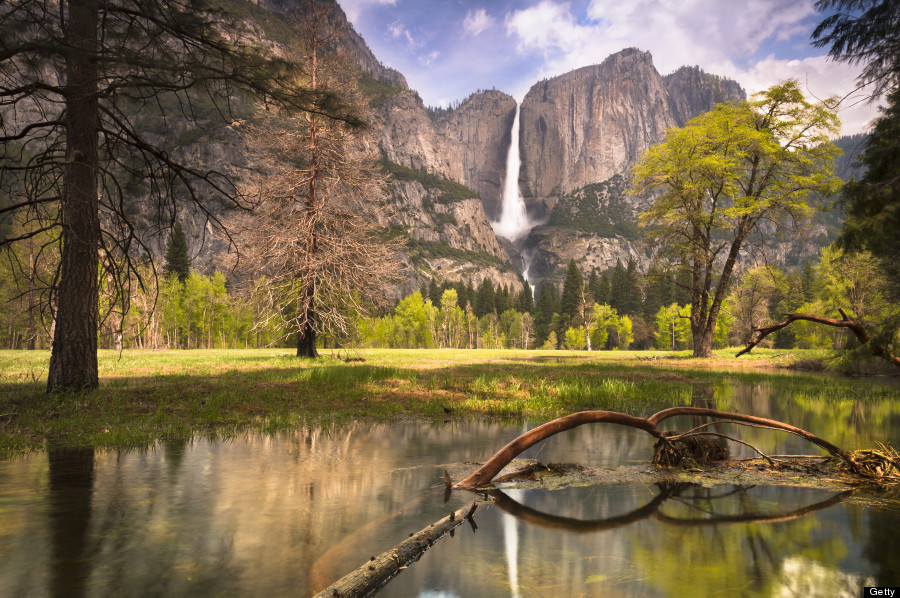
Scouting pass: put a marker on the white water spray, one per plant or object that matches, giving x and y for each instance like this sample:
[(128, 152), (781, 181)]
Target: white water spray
[(514, 223)]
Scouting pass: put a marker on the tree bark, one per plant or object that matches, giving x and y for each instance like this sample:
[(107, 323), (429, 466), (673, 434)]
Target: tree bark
[(306, 339), (483, 475), (365, 580), (73, 361)]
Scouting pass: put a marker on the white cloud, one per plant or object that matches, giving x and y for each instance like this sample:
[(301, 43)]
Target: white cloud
[(427, 59), (353, 8), (820, 79), (476, 22), (720, 37), (546, 26), (398, 30)]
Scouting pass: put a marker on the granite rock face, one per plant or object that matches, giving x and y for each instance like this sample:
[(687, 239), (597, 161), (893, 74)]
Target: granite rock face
[(588, 128), (589, 124), (578, 131), (693, 92), (480, 131)]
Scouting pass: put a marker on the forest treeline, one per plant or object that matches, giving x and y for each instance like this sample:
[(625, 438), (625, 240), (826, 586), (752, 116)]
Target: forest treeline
[(619, 308)]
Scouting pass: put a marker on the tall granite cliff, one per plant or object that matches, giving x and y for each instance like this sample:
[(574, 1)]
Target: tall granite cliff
[(479, 130), (581, 134), (447, 174), (589, 124)]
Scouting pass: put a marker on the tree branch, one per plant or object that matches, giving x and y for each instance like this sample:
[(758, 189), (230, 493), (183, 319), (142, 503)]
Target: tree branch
[(855, 327)]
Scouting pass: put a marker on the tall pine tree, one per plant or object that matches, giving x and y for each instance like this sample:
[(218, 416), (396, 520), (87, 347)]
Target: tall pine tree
[(569, 305), (178, 261)]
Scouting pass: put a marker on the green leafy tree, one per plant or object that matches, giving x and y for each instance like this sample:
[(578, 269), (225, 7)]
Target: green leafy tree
[(718, 179), (604, 318), (575, 338), (672, 328), (414, 317), (624, 333), (551, 343)]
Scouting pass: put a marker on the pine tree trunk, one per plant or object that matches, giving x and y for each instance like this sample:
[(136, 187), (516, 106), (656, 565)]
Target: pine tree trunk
[(73, 361)]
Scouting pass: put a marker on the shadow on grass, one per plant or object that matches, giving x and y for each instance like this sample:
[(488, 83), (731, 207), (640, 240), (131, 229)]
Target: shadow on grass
[(138, 408)]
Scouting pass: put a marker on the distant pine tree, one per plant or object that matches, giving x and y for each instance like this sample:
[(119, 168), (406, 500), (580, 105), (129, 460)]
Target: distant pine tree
[(178, 261), (484, 298), (571, 294), (434, 292)]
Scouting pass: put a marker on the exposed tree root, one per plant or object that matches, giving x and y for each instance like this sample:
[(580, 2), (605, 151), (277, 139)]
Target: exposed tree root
[(688, 450), (882, 466), (692, 447)]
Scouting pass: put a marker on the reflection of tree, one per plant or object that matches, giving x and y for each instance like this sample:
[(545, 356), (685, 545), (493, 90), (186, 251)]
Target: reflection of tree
[(70, 490), (729, 546), (883, 545), (667, 491)]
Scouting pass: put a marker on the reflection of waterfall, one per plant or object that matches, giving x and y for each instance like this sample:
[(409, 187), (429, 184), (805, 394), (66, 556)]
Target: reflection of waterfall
[(511, 542), (514, 224)]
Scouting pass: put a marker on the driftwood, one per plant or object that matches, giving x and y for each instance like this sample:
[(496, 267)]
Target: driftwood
[(858, 331), (666, 441), (367, 578)]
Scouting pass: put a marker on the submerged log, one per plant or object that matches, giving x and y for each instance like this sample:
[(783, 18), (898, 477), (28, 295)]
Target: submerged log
[(484, 475), (367, 578)]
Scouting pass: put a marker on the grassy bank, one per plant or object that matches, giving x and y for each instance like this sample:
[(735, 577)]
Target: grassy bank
[(146, 396)]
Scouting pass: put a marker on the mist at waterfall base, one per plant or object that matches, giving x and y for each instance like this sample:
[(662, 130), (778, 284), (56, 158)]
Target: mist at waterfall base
[(514, 223)]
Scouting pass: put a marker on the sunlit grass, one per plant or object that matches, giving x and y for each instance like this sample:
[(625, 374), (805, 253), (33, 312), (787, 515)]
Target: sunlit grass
[(147, 396)]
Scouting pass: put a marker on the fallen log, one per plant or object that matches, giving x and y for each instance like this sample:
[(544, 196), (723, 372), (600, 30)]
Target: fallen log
[(366, 579), (666, 441)]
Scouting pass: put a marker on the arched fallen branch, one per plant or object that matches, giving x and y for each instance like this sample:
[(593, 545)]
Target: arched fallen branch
[(855, 327), (665, 441)]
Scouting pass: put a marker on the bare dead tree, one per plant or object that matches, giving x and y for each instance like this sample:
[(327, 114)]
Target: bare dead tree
[(313, 246), (78, 79)]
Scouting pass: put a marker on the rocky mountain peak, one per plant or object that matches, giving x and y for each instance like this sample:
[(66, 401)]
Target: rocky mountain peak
[(589, 124), (693, 92)]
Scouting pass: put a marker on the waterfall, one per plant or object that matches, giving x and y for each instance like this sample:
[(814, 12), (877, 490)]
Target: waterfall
[(514, 223)]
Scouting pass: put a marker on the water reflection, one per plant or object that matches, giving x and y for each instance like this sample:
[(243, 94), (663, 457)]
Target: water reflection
[(701, 499), (71, 475), (289, 514)]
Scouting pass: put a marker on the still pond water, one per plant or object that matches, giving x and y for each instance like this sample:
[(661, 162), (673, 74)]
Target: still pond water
[(287, 515)]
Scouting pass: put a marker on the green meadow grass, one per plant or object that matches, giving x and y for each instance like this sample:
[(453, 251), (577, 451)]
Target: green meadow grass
[(146, 396)]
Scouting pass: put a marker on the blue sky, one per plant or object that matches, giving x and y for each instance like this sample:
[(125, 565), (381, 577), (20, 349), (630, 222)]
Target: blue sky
[(448, 49)]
